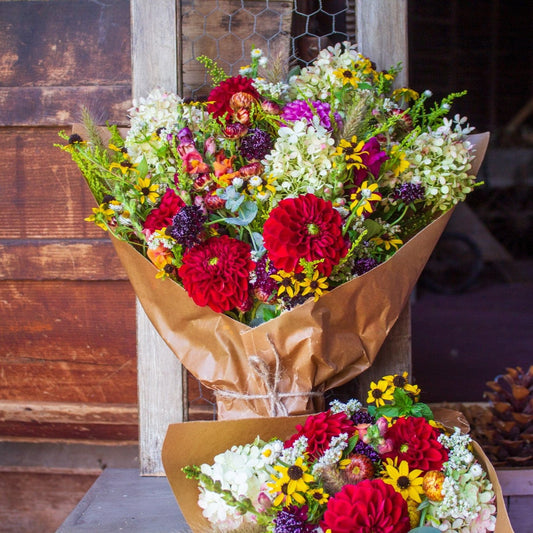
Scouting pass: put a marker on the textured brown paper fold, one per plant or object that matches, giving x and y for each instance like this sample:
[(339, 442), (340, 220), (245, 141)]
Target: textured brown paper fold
[(194, 443)]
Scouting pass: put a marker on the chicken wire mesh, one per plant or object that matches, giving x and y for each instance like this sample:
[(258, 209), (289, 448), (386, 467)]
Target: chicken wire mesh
[(226, 31)]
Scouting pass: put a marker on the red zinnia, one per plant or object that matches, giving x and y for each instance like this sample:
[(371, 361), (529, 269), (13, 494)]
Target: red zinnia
[(162, 216), (369, 506), (415, 441), (216, 272), (219, 97), (319, 430), (306, 227)]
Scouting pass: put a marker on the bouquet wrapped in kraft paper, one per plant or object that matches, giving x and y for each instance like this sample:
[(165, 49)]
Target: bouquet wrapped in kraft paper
[(274, 233), (283, 366), (235, 445)]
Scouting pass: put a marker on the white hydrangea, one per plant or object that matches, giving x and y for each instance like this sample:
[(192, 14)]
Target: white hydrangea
[(161, 112), (468, 504), (274, 91), (242, 470), (318, 80), (301, 160), (349, 408), (441, 160), (333, 454)]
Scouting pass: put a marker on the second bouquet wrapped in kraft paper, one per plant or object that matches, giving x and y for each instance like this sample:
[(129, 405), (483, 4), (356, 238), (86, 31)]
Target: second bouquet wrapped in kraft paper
[(274, 233)]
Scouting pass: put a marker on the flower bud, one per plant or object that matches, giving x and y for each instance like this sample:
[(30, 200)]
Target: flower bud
[(241, 100), (270, 107), (252, 169), (235, 130)]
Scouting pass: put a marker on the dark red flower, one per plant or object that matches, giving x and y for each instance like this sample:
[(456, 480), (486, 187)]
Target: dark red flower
[(220, 96), (415, 441), (373, 157), (371, 506), (319, 430), (216, 272), (305, 227), (162, 216)]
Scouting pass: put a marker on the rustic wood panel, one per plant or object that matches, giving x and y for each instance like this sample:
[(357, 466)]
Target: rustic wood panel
[(39, 502), (67, 341), (48, 259), (44, 194), (58, 55)]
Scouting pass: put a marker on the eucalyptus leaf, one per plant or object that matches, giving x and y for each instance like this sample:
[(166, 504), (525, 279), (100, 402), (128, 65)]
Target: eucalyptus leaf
[(247, 213), (424, 529), (257, 241)]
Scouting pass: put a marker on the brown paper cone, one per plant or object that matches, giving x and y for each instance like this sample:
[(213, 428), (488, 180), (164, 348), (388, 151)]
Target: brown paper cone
[(211, 438)]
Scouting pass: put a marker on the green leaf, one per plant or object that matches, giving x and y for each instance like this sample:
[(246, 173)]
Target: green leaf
[(423, 529), (247, 213), (142, 167), (373, 228), (421, 409)]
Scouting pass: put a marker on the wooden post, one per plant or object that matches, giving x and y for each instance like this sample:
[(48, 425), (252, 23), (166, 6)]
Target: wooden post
[(382, 36), (155, 34)]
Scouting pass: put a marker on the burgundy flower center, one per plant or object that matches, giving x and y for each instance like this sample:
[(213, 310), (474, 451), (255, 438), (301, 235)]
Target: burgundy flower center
[(403, 482), (377, 393), (313, 229), (314, 285), (295, 472), (347, 74), (145, 191), (317, 496)]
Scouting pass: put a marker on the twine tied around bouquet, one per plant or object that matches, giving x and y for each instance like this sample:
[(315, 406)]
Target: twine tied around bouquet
[(271, 381)]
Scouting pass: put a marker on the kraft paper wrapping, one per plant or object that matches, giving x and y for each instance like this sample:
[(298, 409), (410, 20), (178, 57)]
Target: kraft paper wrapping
[(213, 437), (284, 366)]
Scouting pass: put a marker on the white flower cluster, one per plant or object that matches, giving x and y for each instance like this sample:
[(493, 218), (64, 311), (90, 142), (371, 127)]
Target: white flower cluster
[(441, 160), (349, 408), (273, 91), (298, 449), (301, 160), (333, 454), (244, 471), (468, 504), (318, 80)]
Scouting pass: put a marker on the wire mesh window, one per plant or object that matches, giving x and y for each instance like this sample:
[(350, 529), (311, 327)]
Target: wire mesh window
[(226, 31)]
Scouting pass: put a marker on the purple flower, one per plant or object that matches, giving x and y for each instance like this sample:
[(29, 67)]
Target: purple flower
[(365, 449), (408, 192), (255, 145), (185, 136), (300, 109), (372, 157), (264, 285), (187, 225), (363, 265), (293, 519)]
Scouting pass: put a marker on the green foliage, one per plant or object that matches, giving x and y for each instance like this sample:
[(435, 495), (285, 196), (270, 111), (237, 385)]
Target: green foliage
[(217, 73), (403, 405)]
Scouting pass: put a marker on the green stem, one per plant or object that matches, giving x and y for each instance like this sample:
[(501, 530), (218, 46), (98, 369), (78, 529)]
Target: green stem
[(401, 216)]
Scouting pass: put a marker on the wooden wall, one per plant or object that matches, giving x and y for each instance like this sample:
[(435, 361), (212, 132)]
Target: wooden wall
[(67, 312)]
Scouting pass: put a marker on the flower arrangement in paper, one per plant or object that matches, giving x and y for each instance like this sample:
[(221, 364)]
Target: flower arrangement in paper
[(389, 468), (277, 189)]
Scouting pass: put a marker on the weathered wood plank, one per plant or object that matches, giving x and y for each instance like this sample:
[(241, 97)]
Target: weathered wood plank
[(61, 259), (64, 43), (44, 194), (51, 106), (67, 341), (382, 34), (155, 34)]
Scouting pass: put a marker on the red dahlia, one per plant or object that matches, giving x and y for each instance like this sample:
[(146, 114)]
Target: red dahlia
[(216, 272), (415, 441), (307, 228), (369, 506), (319, 430), (219, 97), (162, 216)]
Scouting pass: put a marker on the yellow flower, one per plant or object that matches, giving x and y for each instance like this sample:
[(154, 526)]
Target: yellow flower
[(363, 198), (101, 216), (387, 240), (400, 380), (292, 484), (319, 496), (352, 151), (364, 65), (379, 393), (405, 94), (124, 166), (287, 283), (148, 191), (407, 483), (348, 77), (400, 163), (314, 285)]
